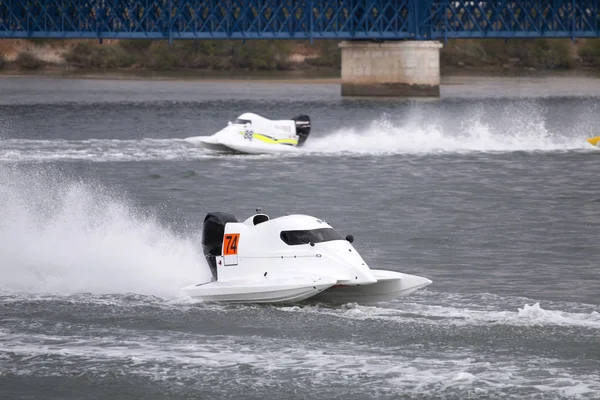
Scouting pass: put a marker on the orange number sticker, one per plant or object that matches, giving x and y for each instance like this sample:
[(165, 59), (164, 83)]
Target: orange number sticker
[(231, 244)]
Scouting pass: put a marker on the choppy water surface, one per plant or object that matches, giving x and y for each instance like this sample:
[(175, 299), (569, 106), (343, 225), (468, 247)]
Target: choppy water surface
[(490, 191)]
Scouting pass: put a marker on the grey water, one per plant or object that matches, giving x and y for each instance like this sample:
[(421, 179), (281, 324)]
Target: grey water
[(490, 191)]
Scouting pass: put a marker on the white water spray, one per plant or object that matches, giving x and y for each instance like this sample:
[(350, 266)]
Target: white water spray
[(60, 236), (517, 128)]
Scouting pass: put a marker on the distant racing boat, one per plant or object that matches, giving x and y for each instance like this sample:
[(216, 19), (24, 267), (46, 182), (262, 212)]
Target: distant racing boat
[(253, 134)]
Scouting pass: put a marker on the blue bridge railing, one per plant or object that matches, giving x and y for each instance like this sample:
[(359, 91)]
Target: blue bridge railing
[(298, 19)]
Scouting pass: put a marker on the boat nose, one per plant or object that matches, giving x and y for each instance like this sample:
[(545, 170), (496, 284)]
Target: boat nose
[(414, 281)]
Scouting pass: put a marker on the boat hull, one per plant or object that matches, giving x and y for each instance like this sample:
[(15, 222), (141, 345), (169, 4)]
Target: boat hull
[(289, 290), (240, 146), (209, 143), (261, 148), (390, 285)]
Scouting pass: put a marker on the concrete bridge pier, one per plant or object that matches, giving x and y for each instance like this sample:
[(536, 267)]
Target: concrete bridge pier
[(391, 68)]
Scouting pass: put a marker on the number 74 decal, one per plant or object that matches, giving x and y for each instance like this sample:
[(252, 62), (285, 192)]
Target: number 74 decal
[(230, 244)]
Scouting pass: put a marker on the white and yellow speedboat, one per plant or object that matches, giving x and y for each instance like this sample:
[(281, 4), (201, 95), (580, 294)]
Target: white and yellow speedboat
[(254, 134)]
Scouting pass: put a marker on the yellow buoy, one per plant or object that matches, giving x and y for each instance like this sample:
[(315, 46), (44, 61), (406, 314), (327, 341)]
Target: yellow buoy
[(594, 141)]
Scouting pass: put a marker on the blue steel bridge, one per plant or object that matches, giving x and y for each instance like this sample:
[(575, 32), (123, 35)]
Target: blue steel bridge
[(298, 19)]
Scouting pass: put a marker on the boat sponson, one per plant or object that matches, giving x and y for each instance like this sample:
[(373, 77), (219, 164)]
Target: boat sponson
[(390, 285), (265, 290)]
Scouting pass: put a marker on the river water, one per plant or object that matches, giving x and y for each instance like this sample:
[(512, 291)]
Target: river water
[(490, 191)]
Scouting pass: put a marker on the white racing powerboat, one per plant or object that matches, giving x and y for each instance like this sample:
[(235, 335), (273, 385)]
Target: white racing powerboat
[(253, 134), (289, 259)]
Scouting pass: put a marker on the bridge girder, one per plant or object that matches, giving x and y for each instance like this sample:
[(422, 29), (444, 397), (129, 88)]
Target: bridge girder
[(298, 19)]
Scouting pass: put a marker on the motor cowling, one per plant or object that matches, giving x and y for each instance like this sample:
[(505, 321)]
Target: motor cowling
[(212, 236), (303, 126)]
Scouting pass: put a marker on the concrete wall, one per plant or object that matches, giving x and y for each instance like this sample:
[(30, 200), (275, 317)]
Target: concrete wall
[(402, 68)]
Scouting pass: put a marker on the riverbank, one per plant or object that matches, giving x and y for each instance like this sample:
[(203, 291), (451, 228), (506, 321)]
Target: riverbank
[(322, 58), (228, 59)]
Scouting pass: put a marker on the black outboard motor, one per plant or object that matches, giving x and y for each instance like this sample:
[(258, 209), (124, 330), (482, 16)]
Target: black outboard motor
[(212, 237), (302, 128)]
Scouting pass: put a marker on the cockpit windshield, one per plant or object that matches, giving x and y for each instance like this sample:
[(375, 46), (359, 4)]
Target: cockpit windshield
[(293, 238), (242, 121)]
